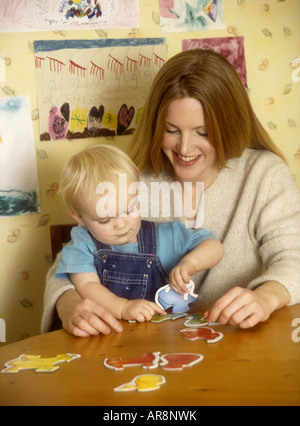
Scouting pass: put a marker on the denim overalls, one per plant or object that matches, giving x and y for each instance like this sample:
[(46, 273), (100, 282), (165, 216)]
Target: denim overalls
[(132, 275)]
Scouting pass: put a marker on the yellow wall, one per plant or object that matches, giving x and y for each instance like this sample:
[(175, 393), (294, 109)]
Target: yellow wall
[(25, 253)]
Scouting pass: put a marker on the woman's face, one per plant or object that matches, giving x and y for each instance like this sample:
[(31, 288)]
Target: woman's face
[(186, 143)]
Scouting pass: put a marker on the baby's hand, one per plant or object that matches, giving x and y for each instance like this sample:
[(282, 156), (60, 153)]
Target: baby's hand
[(140, 310), (180, 276)]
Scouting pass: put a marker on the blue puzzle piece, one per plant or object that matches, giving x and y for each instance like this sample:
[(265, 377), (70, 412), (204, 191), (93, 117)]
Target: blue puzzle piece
[(167, 298)]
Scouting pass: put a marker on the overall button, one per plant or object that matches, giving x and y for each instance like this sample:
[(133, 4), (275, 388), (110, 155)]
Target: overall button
[(104, 257), (149, 262)]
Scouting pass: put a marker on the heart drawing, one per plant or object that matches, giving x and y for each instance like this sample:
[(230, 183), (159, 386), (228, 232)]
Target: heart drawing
[(125, 117)]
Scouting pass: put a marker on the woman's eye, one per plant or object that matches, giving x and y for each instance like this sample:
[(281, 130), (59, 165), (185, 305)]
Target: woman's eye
[(204, 135)]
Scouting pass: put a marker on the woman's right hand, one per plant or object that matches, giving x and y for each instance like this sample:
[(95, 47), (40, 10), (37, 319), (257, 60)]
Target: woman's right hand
[(84, 317)]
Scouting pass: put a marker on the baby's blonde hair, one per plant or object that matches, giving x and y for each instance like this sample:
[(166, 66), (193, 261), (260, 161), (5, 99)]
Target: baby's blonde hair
[(84, 171)]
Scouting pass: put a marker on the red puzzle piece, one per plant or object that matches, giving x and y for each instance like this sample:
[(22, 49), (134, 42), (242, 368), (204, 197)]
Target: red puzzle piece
[(205, 333), (147, 360), (179, 361)]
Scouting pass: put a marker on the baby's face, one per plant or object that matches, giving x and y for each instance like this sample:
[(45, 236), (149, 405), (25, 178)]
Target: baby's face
[(118, 223)]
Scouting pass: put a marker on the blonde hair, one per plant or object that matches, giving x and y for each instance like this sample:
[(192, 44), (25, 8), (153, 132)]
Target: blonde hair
[(95, 164), (208, 77)]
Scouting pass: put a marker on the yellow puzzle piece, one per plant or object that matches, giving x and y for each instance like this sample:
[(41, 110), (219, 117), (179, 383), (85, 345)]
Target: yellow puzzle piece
[(35, 362), (143, 383)]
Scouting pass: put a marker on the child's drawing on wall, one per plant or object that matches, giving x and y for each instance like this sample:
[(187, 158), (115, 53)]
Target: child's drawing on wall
[(191, 15), (62, 15), (19, 187), (232, 48), (58, 122), (94, 119), (94, 87), (81, 8)]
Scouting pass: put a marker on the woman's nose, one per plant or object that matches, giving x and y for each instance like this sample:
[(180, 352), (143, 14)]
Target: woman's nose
[(183, 144)]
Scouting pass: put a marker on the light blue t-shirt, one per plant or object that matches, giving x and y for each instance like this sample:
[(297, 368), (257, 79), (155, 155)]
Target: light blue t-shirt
[(174, 241)]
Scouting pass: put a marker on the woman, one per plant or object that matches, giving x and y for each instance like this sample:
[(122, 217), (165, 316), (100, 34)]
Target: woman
[(198, 126)]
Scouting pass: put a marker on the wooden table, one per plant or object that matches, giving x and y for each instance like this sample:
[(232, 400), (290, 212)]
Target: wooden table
[(259, 366)]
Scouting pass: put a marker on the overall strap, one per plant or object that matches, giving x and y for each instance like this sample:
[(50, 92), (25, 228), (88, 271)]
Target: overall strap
[(99, 246), (147, 237)]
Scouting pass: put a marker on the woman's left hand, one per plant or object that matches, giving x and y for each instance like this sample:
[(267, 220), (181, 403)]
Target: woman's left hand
[(246, 308)]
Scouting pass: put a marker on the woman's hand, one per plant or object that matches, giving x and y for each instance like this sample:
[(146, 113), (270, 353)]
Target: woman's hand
[(84, 317), (246, 308)]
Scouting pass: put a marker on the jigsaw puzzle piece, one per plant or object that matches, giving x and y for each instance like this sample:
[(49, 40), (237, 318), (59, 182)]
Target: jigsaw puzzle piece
[(179, 361), (148, 360), (204, 333), (37, 363), (157, 318), (166, 298), (198, 320), (195, 320), (142, 383)]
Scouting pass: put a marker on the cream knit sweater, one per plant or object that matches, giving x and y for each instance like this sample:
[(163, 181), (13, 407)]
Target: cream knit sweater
[(253, 207)]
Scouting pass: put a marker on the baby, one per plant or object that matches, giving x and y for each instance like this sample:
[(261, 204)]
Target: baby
[(114, 257)]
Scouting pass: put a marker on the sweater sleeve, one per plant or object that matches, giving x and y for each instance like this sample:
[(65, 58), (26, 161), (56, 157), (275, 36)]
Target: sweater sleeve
[(277, 228), (77, 256), (54, 288)]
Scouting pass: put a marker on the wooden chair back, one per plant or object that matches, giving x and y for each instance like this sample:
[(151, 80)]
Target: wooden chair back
[(60, 235)]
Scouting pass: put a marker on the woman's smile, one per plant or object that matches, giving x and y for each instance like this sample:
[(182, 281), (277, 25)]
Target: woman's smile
[(186, 160), (186, 143)]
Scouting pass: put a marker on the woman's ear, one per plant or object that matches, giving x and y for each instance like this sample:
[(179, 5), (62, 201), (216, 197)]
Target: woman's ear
[(75, 215)]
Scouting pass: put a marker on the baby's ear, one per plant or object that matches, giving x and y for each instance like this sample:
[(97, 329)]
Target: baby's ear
[(75, 215)]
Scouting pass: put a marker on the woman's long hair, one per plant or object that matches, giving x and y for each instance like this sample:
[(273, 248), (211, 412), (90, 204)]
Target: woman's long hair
[(208, 77)]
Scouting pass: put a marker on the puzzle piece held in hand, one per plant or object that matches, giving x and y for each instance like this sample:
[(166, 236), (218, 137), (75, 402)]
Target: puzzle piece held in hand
[(35, 362), (204, 333), (166, 298), (142, 383), (148, 360)]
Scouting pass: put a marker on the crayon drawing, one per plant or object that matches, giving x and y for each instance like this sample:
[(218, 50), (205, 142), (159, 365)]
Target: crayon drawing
[(91, 88), (57, 15), (191, 15), (19, 187), (232, 48)]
